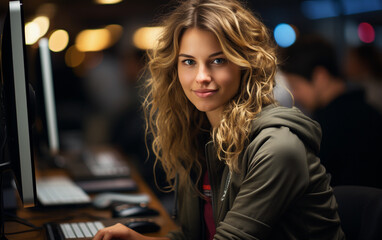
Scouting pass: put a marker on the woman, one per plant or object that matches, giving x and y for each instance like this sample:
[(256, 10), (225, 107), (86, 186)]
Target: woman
[(243, 167)]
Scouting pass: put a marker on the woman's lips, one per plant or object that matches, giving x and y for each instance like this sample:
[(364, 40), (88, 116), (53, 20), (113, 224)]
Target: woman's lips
[(203, 93)]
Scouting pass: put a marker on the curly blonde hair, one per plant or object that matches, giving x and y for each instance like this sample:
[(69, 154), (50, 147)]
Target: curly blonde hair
[(176, 125)]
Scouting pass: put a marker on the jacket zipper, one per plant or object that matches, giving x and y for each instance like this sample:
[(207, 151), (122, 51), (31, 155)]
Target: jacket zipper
[(227, 182)]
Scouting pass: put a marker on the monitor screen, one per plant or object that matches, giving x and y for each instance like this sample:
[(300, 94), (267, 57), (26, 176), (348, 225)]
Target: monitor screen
[(18, 107)]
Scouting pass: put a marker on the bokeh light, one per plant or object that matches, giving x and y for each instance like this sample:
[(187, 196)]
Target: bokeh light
[(351, 33), (116, 32), (92, 40), (108, 1), (366, 32), (43, 23), (32, 33), (284, 35), (146, 37), (59, 40), (320, 9), (73, 57)]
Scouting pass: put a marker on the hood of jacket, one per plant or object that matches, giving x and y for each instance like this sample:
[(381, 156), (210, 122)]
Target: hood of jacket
[(304, 127)]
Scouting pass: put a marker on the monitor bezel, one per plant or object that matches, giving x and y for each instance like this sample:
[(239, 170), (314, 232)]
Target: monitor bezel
[(18, 105)]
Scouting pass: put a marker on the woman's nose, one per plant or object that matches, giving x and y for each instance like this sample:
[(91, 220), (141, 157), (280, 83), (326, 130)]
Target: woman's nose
[(203, 75)]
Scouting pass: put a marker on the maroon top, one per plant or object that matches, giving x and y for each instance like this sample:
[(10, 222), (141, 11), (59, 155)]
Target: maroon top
[(208, 214)]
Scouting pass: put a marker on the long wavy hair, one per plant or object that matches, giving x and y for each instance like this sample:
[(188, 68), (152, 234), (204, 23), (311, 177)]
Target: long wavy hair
[(175, 124)]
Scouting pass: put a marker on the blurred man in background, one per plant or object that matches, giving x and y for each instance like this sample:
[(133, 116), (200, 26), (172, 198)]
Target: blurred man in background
[(351, 128), (363, 66)]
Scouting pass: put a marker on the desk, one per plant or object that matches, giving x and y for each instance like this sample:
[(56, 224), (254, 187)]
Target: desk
[(39, 217)]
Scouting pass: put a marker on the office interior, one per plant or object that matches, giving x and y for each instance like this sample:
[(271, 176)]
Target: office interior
[(92, 85), (98, 50)]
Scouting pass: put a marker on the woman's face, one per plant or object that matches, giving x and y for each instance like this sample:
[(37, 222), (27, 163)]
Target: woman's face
[(208, 79)]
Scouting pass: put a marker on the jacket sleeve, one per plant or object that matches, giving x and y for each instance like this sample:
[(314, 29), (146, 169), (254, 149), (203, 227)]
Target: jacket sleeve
[(176, 235), (277, 173)]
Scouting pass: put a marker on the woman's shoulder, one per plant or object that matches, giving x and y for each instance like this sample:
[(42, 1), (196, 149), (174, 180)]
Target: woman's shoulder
[(284, 127), (277, 140), (275, 151), (276, 148)]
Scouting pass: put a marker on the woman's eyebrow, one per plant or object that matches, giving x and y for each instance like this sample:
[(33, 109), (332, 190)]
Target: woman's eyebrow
[(190, 56), (185, 55), (216, 54)]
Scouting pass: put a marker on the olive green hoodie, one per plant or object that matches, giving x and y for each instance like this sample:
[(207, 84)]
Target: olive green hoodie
[(281, 191)]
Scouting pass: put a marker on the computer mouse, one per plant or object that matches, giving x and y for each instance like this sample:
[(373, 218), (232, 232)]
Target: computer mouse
[(143, 226), (104, 200), (133, 211)]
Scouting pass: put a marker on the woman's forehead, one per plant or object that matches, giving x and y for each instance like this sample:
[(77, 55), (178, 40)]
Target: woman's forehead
[(197, 41)]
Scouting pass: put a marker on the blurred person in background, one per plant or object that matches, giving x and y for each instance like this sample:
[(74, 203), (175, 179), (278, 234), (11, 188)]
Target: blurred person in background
[(127, 128), (351, 128), (363, 65)]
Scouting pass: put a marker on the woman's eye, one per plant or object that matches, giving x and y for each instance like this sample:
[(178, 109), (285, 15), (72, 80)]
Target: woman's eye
[(188, 62), (219, 61)]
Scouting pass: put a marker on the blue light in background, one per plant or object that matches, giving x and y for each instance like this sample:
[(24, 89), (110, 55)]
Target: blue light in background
[(320, 9), (359, 6), (284, 35), (317, 9)]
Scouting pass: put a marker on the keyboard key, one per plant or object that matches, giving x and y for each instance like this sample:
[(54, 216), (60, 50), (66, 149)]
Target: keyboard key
[(99, 225), (77, 230), (92, 228), (85, 230), (67, 230)]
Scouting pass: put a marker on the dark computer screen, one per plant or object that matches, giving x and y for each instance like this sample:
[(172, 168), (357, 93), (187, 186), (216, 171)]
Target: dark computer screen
[(17, 99)]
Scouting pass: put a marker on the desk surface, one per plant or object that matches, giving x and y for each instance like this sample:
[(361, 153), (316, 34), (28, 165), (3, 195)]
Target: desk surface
[(39, 217)]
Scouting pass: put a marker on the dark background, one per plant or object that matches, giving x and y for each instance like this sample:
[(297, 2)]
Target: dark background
[(77, 104)]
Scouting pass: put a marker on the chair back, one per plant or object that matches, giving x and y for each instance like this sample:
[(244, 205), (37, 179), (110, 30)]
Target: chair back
[(360, 211)]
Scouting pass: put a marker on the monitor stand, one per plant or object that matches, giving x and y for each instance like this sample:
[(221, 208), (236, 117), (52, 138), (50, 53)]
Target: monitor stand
[(3, 167)]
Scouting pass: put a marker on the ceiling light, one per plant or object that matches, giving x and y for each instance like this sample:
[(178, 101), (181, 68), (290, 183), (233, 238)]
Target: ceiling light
[(43, 23), (92, 40), (146, 37), (59, 40), (32, 33), (108, 1)]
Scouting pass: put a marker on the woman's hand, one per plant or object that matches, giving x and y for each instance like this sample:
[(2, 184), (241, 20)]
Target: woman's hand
[(118, 231)]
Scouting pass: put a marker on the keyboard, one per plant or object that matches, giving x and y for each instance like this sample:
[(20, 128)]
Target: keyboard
[(105, 163), (90, 165), (88, 229), (80, 230), (60, 191)]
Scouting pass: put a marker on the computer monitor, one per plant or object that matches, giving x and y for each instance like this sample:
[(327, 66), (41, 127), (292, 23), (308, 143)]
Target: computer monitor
[(17, 106), (46, 103)]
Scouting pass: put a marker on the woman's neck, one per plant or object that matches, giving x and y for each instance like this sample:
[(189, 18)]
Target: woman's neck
[(214, 117)]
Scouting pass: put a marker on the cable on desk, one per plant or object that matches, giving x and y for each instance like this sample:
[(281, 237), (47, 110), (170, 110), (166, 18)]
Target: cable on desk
[(25, 231), (66, 218), (14, 218)]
